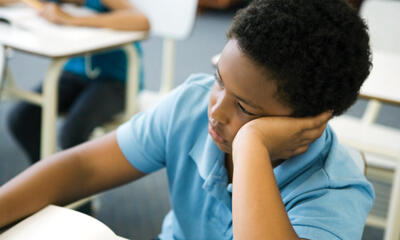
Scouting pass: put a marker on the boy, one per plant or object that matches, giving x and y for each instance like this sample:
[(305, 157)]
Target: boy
[(223, 139)]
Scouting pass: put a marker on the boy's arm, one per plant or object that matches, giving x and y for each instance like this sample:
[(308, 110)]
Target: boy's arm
[(258, 210), (5, 2), (123, 16), (66, 177)]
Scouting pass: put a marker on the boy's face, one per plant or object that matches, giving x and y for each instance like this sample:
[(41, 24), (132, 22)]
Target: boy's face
[(241, 92)]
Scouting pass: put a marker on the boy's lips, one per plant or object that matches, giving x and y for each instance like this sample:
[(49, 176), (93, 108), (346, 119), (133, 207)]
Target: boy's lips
[(215, 134)]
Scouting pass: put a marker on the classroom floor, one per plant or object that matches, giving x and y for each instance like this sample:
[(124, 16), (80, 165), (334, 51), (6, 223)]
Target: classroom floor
[(136, 210)]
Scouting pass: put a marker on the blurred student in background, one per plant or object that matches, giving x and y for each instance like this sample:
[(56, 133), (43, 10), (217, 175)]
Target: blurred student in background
[(91, 88)]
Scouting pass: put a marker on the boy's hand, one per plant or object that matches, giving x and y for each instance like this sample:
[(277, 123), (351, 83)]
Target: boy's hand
[(5, 2), (53, 13), (284, 137)]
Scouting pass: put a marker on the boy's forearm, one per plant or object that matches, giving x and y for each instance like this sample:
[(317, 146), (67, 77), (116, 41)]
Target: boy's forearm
[(51, 181), (70, 175), (258, 211), (118, 20)]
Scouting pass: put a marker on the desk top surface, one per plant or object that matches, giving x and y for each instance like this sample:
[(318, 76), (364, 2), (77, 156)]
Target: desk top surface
[(30, 33), (383, 83)]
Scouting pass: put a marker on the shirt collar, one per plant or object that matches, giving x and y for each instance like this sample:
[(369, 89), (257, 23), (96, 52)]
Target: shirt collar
[(293, 167), (210, 160)]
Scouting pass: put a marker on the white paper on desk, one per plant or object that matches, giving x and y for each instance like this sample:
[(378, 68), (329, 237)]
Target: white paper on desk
[(43, 27), (29, 20), (59, 223)]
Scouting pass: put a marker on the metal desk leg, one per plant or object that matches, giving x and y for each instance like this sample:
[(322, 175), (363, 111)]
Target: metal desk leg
[(132, 81), (49, 108), (392, 231), (2, 67), (168, 66)]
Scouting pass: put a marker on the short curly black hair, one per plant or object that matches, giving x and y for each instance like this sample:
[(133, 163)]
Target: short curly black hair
[(317, 51)]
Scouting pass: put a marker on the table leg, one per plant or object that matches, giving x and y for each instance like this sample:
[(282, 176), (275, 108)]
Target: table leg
[(2, 67), (392, 231), (132, 81), (168, 66), (49, 108)]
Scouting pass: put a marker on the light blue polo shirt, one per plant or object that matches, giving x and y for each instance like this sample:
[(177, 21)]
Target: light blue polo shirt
[(325, 194)]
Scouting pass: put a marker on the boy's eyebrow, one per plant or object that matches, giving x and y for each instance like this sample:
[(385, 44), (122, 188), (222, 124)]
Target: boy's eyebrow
[(240, 98)]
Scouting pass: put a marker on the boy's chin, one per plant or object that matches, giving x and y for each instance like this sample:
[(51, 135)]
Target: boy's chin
[(224, 147)]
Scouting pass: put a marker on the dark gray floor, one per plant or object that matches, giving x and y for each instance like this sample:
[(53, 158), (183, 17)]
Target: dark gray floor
[(136, 210)]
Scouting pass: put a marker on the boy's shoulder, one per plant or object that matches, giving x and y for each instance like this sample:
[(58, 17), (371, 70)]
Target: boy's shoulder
[(332, 186), (344, 167), (193, 92), (201, 80), (334, 168)]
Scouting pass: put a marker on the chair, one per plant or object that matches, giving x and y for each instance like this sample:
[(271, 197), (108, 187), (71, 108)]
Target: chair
[(172, 20), (381, 144)]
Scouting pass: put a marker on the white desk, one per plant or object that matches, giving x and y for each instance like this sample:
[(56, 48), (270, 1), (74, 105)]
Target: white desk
[(384, 81), (60, 45)]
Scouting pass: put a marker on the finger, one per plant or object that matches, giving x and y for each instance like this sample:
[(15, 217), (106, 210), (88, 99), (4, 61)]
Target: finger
[(46, 10), (323, 118), (314, 133), (300, 150), (41, 11), (317, 121), (44, 14), (306, 141)]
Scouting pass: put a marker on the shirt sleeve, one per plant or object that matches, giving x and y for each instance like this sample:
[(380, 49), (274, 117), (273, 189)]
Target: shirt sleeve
[(332, 213), (142, 139)]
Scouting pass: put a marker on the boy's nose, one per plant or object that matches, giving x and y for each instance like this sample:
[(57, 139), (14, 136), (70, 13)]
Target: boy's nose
[(219, 112)]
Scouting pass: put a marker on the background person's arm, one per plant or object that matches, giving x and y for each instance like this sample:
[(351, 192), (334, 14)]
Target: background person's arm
[(5, 2), (65, 177), (123, 16)]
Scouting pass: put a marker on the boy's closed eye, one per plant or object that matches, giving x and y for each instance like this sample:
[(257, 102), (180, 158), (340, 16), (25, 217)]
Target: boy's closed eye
[(238, 104), (245, 111)]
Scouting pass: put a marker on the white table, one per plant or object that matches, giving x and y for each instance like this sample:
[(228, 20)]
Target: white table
[(384, 81), (60, 43)]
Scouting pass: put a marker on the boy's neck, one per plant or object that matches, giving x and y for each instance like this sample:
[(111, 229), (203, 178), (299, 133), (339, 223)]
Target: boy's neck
[(229, 167)]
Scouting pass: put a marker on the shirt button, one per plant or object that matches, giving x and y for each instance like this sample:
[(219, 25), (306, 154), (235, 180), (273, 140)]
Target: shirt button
[(229, 187)]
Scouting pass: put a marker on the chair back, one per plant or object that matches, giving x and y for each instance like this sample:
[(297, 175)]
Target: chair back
[(383, 19), (172, 19)]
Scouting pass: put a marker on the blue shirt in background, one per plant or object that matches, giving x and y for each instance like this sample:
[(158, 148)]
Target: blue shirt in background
[(324, 193), (106, 65)]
